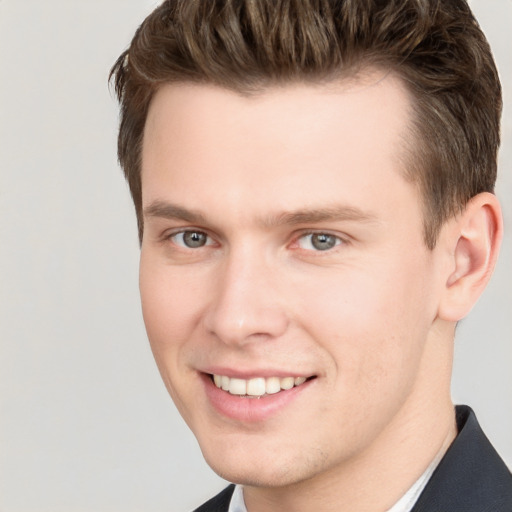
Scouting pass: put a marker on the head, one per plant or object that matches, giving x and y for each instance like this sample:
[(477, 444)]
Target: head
[(257, 155), (435, 47)]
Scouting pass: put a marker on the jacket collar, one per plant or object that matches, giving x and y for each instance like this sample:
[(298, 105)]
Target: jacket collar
[(471, 477)]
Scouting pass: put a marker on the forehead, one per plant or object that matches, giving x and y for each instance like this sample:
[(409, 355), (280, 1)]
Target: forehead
[(372, 93), (286, 144)]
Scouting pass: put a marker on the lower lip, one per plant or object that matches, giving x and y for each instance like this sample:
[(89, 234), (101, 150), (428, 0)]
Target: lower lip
[(250, 410)]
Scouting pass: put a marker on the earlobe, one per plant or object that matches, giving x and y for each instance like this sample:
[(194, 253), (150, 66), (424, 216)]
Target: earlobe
[(476, 240)]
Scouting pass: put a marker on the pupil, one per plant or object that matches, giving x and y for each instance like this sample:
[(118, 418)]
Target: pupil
[(322, 242), (194, 239)]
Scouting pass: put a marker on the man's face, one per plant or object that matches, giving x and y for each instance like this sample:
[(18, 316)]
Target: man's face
[(281, 242)]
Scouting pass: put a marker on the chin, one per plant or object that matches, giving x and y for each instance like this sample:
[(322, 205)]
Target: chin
[(242, 468), (264, 466), (255, 477)]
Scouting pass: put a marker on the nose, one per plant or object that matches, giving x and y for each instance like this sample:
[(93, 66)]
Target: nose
[(247, 305)]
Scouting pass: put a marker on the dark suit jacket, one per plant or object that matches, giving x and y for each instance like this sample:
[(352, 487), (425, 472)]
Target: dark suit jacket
[(471, 477)]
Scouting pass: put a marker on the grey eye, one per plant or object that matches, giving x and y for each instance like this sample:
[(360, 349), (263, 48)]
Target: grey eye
[(319, 241), (322, 242), (191, 239)]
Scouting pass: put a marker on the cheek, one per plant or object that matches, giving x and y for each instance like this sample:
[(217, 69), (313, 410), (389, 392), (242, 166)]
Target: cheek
[(369, 322), (170, 301), (168, 311), (169, 305)]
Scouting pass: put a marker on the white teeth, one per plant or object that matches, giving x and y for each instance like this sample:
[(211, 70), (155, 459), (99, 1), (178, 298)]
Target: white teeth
[(237, 386), (257, 386), (273, 385), (287, 383)]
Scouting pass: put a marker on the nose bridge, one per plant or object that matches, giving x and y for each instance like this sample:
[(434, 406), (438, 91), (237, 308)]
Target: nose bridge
[(246, 305)]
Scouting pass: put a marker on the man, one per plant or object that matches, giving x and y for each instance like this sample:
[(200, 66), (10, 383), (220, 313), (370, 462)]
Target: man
[(313, 186)]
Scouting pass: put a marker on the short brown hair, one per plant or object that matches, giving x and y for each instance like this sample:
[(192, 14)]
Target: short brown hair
[(435, 46)]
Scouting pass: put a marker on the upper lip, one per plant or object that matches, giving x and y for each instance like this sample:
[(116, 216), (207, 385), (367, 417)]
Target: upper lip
[(253, 373)]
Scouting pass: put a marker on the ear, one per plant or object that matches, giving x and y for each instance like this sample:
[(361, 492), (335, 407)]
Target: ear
[(475, 238)]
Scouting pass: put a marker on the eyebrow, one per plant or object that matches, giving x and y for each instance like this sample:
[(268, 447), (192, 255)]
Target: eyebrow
[(313, 216), (165, 210)]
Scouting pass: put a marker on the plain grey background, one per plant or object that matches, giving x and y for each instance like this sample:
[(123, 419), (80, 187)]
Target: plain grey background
[(85, 423)]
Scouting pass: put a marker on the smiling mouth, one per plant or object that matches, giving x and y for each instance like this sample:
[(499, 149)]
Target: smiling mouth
[(257, 387)]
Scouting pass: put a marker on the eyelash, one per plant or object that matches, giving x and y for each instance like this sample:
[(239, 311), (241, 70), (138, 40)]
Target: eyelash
[(172, 237), (297, 240), (337, 240)]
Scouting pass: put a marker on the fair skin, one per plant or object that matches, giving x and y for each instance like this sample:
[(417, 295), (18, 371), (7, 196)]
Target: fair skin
[(281, 240)]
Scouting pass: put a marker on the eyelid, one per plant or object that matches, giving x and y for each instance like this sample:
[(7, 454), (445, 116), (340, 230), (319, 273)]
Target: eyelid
[(341, 239), (171, 234)]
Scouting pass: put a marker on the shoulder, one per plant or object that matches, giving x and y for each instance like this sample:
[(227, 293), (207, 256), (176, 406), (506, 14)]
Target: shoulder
[(219, 503), (471, 476)]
